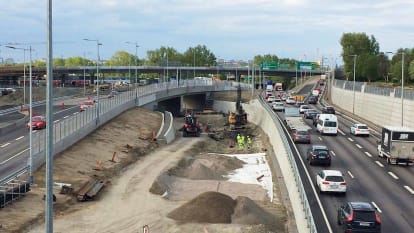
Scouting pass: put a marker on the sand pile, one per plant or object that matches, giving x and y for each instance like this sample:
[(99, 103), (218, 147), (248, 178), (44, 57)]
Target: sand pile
[(206, 167), (215, 207), (208, 207)]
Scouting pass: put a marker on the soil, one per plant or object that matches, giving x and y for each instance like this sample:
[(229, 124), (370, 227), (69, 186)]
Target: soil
[(179, 187)]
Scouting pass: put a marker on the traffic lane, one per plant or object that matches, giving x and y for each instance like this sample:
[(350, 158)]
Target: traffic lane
[(318, 215), (372, 183), (305, 90), (13, 166)]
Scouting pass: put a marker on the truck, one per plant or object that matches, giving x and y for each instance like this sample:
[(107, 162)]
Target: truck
[(293, 119), (397, 145), (278, 87), (269, 86)]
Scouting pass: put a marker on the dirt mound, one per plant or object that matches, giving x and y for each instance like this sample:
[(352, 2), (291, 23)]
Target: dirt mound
[(248, 212), (208, 207), (206, 167)]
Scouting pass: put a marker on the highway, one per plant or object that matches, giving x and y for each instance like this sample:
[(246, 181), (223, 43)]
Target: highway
[(14, 146), (369, 178)]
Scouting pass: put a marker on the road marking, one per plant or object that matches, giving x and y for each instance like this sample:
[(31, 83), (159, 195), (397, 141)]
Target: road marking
[(56, 121), (19, 138), (4, 145), (393, 175), (379, 163), (375, 205), (359, 146), (350, 174), (341, 132), (409, 189), (368, 154), (350, 139), (75, 113), (333, 153), (320, 139), (65, 117), (14, 156)]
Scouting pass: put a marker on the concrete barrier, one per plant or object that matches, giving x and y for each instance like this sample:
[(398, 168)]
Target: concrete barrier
[(259, 116)]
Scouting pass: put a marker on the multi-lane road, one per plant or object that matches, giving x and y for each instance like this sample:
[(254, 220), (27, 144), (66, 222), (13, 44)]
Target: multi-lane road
[(369, 178)]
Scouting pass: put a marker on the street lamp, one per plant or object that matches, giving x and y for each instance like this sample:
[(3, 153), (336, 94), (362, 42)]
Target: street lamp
[(402, 86), (97, 78), (31, 179), (353, 87), (24, 72), (136, 67), (193, 62)]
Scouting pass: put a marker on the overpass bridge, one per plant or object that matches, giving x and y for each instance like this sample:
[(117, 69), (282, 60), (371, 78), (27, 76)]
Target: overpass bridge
[(11, 74)]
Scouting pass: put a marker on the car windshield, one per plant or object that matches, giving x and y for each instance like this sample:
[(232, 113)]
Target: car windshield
[(37, 118), (302, 132), (321, 152), (88, 103), (335, 178), (362, 127)]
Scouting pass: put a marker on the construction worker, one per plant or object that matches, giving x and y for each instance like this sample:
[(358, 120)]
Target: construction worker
[(242, 141), (249, 142), (239, 141)]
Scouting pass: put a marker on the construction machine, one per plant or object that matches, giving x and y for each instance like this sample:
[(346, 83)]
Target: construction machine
[(238, 118), (191, 126)]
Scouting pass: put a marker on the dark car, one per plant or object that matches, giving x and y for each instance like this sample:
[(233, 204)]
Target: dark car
[(328, 110), (301, 136), (319, 154), (312, 100), (315, 120), (310, 113), (359, 217)]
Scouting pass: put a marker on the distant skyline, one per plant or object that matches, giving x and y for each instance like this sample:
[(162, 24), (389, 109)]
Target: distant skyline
[(239, 30)]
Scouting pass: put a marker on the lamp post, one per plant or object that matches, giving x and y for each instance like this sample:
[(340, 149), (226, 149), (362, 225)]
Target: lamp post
[(353, 87), (97, 78), (24, 72), (31, 179), (402, 86), (136, 67), (194, 63)]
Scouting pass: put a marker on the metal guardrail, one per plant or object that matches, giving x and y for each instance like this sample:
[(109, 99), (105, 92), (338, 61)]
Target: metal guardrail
[(67, 131), (14, 175), (306, 206)]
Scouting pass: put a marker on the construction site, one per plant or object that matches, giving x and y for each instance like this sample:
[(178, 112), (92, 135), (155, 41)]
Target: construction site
[(120, 179)]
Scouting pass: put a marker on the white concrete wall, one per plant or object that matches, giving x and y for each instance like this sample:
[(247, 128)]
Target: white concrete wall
[(379, 109), (259, 116)]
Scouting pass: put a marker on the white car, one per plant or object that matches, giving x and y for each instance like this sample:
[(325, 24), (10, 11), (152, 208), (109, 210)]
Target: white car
[(359, 129), (331, 181), (271, 99), (278, 106), (290, 100), (303, 108)]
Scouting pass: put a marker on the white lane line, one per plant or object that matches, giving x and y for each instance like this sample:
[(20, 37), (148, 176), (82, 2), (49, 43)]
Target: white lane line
[(65, 117), (320, 139), (375, 205), (56, 121), (350, 139), (409, 189), (368, 154), (75, 113), (14, 156), (333, 153), (4, 145), (359, 146), (393, 175), (379, 163), (350, 174), (341, 132), (17, 139)]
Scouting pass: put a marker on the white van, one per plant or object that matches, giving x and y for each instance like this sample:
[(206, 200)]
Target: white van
[(327, 124)]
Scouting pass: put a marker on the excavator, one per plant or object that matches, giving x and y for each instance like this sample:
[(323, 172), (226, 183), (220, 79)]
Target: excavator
[(238, 118), (191, 126)]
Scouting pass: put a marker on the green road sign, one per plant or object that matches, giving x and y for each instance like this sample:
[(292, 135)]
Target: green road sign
[(305, 65), (268, 65)]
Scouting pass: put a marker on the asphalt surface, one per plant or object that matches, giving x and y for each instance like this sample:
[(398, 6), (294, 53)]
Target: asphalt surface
[(369, 179)]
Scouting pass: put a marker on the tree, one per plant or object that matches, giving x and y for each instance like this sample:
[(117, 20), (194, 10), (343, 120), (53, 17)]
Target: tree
[(259, 59), (199, 56), (77, 61), (121, 58), (383, 67), (58, 62), (363, 46), (411, 70), (163, 55)]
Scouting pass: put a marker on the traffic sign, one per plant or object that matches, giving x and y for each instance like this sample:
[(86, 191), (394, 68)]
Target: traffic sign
[(268, 65), (303, 65)]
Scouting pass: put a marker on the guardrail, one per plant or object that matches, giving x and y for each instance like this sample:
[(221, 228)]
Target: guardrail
[(34, 104), (304, 200), (68, 131)]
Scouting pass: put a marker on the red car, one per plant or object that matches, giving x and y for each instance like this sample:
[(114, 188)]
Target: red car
[(86, 104), (38, 122)]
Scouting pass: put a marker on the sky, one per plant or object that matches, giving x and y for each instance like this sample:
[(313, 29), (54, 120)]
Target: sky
[(239, 29)]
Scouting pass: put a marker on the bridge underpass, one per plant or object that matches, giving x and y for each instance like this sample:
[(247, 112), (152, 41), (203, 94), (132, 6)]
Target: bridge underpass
[(179, 105)]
